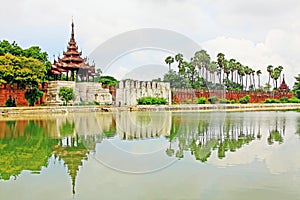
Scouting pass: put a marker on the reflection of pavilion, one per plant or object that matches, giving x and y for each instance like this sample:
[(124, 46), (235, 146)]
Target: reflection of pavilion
[(72, 154), (139, 125)]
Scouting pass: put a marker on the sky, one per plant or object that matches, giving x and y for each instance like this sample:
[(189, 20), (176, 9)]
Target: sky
[(256, 33)]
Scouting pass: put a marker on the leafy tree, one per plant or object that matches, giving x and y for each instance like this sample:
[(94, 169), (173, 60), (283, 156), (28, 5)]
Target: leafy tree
[(176, 81), (22, 71), (32, 95), (66, 94), (34, 52), (108, 80)]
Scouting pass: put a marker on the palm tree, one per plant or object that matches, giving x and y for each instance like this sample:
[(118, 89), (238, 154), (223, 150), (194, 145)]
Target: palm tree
[(202, 60), (270, 70), (232, 67), (213, 67), (253, 79), (258, 73), (241, 73), (220, 59), (179, 59), (169, 60), (280, 68), (275, 75), (247, 72)]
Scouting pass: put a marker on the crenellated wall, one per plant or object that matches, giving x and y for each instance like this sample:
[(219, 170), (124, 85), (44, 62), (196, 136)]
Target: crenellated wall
[(84, 92), (130, 90)]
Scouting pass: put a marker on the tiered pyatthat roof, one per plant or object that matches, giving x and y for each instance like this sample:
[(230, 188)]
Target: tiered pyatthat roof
[(73, 62), (283, 86)]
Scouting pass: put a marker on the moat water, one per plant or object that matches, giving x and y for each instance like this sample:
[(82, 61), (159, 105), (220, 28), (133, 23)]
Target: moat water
[(151, 155)]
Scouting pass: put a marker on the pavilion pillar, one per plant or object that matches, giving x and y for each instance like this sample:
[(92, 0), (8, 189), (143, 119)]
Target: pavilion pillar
[(76, 75)]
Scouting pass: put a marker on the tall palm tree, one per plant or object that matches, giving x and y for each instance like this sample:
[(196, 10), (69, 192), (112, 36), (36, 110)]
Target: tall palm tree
[(253, 78), (202, 60), (247, 72), (258, 73), (213, 66), (232, 67), (275, 75), (220, 59), (270, 70), (241, 73), (179, 59), (280, 68), (169, 60)]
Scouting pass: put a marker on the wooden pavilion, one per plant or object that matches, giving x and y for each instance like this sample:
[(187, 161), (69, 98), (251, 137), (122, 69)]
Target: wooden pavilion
[(72, 64)]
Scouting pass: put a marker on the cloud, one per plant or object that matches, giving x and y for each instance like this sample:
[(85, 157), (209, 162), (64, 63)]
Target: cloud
[(279, 48), (267, 30)]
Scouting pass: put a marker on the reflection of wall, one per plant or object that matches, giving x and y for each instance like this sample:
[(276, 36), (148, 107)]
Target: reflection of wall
[(93, 124), (135, 125), (130, 90)]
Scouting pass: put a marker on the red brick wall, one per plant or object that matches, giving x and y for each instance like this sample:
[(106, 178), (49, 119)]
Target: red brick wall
[(14, 92), (189, 95)]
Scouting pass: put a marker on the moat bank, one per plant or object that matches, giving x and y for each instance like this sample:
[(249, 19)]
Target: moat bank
[(182, 107)]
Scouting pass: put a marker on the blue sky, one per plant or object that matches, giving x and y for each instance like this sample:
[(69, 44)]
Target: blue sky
[(257, 33)]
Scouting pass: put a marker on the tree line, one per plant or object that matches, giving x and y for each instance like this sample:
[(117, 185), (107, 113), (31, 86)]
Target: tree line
[(203, 72)]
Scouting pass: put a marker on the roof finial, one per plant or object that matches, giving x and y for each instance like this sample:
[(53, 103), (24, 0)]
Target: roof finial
[(72, 34)]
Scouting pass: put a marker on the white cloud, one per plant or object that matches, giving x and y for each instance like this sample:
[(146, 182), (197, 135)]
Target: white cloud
[(279, 48)]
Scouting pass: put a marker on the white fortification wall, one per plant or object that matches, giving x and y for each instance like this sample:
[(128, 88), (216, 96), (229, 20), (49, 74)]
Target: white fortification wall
[(84, 92), (130, 90)]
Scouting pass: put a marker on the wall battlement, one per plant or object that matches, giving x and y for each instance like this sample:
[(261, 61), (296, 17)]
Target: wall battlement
[(130, 90)]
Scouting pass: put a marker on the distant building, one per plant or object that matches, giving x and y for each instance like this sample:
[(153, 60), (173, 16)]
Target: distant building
[(283, 86)]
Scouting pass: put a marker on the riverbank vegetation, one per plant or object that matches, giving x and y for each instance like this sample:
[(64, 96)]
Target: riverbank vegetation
[(201, 72)]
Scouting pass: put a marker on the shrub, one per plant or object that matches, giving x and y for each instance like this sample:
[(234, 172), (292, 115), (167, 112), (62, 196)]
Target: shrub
[(201, 100), (10, 102), (284, 100), (245, 99), (151, 101), (294, 100), (224, 101), (213, 99), (233, 101), (268, 100)]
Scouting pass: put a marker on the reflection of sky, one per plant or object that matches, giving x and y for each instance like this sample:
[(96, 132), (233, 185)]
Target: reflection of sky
[(255, 171), (279, 158)]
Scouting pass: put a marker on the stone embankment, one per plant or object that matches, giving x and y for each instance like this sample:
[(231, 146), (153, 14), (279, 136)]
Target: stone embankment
[(4, 111)]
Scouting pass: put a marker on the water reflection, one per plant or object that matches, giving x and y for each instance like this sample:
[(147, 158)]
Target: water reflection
[(29, 144), (203, 133)]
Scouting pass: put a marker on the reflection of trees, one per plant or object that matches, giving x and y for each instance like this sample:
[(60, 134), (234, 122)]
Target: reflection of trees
[(28, 151), (276, 135), (200, 136), (67, 128), (298, 126)]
